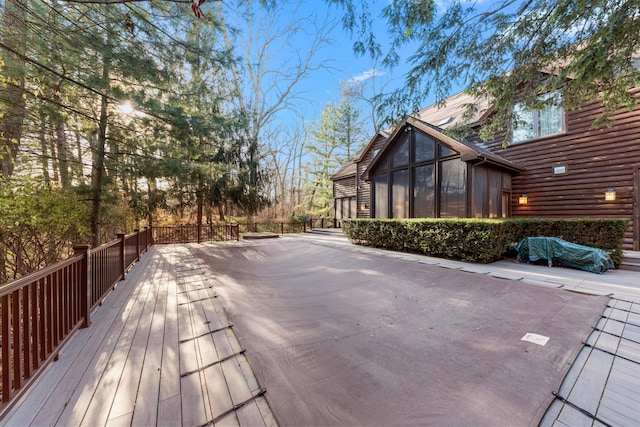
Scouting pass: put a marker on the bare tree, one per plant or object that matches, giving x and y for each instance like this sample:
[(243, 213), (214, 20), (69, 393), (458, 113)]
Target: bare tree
[(274, 64)]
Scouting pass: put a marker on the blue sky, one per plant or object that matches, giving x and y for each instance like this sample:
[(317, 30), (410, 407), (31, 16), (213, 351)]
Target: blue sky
[(323, 85)]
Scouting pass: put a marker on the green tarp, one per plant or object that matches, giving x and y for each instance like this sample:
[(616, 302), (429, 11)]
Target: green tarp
[(552, 248)]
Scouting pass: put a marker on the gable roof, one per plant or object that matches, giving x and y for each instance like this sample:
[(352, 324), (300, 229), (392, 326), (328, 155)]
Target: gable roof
[(469, 152), (350, 168), (347, 170), (449, 113)]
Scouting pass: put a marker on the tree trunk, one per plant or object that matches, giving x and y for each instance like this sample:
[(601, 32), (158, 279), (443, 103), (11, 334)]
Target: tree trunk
[(79, 171), (12, 104), (63, 163), (53, 156), (44, 159), (98, 158)]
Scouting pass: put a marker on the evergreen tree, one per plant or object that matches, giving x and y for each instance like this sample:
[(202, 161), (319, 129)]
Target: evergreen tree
[(588, 48), (333, 141)]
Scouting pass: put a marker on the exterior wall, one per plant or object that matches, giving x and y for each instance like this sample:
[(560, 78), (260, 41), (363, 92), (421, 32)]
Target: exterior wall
[(364, 187), (344, 197), (345, 187), (608, 157), (490, 192)]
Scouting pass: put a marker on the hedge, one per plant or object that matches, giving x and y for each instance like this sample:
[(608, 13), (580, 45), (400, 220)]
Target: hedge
[(482, 240)]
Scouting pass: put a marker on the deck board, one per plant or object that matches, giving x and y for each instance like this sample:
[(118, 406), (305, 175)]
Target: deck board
[(101, 401), (59, 383), (136, 361), (151, 357)]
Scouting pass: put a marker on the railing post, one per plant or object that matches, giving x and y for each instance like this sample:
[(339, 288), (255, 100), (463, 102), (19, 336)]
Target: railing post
[(199, 233), (304, 228), (85, 283), (121, 236), (282, 228), (143, 240), (322, 222), (151, 241), (137, 231), (335, 223), (237, 232)]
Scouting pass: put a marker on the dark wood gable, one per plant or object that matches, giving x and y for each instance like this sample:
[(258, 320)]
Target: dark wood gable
[(422, 173)]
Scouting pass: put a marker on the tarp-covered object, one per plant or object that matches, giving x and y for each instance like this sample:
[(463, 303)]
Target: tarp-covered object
[(552, 248)]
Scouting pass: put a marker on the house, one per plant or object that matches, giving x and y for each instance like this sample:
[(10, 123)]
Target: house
[(556, 167)]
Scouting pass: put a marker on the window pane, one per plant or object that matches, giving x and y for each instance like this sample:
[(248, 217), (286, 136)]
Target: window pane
[(445, 151), (424, 191), (424, 148), (381, 194), (400, 153), (522, 124), (353, 209), (550, 120), (480, 207), (506, 203), (495, 193), (400, 193), (452, 188)]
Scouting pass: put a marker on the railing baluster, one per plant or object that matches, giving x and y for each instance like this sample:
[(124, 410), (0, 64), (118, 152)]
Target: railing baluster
[(43, 318), (26, 332), (6, 348), (50, 315), (35, 322), (17, 344)]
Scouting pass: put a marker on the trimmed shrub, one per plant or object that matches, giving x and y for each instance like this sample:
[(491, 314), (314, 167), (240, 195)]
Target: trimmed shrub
[(482, 240)]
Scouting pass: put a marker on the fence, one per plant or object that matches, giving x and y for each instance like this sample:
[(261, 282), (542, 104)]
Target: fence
[(324, 222), (196, 233), (40, 312)]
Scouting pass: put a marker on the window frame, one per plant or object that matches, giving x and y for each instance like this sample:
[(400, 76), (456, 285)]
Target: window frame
[(535, 119), (385, 169)]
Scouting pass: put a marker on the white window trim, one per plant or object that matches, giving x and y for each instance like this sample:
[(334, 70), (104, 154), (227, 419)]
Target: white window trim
[(536, 121)]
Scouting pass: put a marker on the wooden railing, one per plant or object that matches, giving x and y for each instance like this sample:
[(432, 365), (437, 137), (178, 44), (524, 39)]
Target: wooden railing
[(39, 312), (323, 222), (195, 234), (279, 227)]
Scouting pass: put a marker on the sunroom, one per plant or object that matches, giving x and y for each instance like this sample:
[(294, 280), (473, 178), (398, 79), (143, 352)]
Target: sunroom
[(422, 173)]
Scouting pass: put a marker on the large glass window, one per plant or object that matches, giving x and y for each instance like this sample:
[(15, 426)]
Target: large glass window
[(445, 151), (530, 124), (424, 148), (346, 207), (424, 193), (453, 178), (400, 193), (400, 153), (381, 195), (419, 177)]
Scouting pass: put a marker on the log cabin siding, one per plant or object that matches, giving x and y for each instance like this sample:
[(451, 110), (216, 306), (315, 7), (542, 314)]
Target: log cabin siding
[(364, 187), (345, 187), (596, 159)]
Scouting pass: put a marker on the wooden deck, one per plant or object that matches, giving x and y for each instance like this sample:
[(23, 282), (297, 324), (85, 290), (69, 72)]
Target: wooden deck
[(160, 351), (601, 388)]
